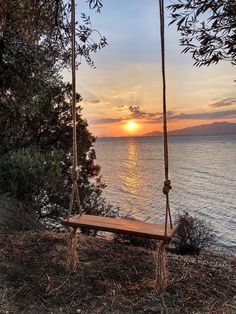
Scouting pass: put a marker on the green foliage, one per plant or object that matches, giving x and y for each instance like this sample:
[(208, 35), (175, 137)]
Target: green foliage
[(26, 173), (47, 24), (95, 4), (193, 234), (207, 28), (36, 132), (21, 172)]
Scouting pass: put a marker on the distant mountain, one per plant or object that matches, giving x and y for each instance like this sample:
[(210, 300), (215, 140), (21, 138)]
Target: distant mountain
[(211, 129), (155, 133)]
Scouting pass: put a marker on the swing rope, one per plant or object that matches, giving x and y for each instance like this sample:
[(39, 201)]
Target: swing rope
[(167, 183), (74, 197), (161, 270)]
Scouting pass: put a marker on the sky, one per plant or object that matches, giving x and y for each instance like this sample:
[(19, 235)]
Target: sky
[(122, 96)]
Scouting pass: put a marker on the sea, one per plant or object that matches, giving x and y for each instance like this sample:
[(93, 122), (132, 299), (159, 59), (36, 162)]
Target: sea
[(202, 171)]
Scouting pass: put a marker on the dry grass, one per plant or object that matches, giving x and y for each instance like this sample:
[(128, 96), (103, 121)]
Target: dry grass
[(111, 278)]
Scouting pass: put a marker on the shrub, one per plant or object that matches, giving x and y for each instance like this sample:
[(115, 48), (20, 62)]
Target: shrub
[(21, 172), (36, 134), (193, 234)]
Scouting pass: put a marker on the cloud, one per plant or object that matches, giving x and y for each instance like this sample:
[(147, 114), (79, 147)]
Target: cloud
[(133, 113), (106, 120), (222, 102), (95, 101), (204, 115), (136, 113), (172, 116), (134, 109)]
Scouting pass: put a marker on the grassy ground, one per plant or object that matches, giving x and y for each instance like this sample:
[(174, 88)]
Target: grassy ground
[(111, 278)]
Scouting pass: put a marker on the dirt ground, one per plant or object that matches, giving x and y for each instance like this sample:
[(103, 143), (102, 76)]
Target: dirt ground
[(111, 278)]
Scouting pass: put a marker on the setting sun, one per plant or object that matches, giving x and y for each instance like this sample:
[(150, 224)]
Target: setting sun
[(131, 126)]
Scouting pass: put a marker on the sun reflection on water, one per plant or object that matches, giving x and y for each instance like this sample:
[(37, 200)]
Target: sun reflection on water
[(131, 176), (133, 171)]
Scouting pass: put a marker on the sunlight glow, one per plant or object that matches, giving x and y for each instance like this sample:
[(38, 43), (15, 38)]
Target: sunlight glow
[(131, 126)]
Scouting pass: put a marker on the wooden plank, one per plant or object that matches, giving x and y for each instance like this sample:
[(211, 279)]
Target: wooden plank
[(118, 225)]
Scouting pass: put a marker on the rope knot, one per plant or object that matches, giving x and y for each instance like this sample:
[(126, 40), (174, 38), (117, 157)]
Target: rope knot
[(167, 187)]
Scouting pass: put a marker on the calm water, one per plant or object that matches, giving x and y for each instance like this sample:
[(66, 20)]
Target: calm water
[(202, 171)]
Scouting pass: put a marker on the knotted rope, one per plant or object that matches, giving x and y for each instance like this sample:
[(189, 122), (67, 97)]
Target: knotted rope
[(167, 187), (167, 184), (161, 256)]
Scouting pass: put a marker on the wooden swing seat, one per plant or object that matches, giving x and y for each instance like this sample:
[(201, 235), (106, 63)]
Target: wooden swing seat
[(119, 225)]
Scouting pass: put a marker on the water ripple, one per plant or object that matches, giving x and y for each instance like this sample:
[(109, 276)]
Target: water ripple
[(202, 170)]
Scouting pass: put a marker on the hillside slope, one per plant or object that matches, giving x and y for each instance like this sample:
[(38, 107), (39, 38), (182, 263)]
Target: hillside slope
[(215, 128), (111, 278)]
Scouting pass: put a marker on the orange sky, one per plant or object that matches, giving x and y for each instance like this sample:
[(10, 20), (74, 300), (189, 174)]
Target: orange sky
[(126, 84), (203, 96), (121, 129)]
